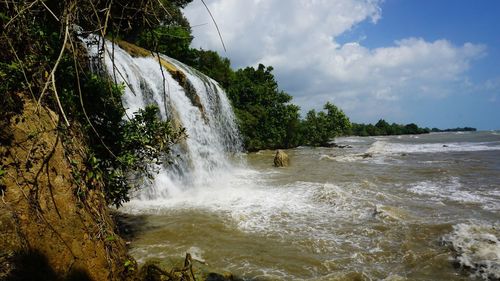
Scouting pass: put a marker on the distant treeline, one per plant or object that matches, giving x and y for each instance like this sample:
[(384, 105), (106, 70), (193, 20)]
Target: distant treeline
[(383, 128), (464, 129)]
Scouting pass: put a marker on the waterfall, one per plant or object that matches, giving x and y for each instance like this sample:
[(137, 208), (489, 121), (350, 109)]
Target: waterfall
[(188, 98)]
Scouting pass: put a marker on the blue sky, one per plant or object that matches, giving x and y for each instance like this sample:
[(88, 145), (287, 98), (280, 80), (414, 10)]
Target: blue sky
[(432, 62)]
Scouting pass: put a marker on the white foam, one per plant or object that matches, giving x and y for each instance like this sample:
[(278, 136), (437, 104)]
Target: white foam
[(345, 158), (477, 248), (327, 157), (384, 147), (453, 190), (350, 140), (302, 209), (382, 150), (196, 253), (378, 147)]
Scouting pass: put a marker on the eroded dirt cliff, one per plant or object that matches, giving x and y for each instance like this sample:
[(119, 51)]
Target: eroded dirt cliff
[(53, 227)]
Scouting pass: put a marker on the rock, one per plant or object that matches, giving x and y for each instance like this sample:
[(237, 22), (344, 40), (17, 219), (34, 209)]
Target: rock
[(333, 144), (281, 159), (366, 155)]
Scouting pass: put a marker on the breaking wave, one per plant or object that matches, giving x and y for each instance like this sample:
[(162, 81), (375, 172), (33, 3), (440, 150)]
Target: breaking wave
[(477, 249), (384, 147), (453, 190)]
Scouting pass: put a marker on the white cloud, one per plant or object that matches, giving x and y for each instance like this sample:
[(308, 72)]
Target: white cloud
[(298, 38)]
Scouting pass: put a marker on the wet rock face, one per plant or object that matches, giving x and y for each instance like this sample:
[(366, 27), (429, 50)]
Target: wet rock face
[(281, 159)]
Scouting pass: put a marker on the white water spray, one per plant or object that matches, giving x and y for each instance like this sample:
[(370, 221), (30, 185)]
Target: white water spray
[(203, 109)]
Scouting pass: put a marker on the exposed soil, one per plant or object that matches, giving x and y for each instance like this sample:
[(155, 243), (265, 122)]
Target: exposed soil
[(52, 227)]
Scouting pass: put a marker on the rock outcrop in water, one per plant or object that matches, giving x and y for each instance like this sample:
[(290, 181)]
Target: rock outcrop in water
[(281, 159)]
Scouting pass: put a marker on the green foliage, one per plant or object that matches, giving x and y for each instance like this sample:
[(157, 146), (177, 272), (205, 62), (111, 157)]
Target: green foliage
[(173, 41), (266, 118), (320, 128), (458, 129), (146, 137), (126, 152), (132, 155), (382, 128), (212, 65), (170, 36), (315, 132), (337, 122), (129, 265), (111, 238), (27, 50), (10, 75)]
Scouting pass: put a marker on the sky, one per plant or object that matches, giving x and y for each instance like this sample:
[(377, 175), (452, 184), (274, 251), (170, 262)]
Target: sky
[(435, 63)]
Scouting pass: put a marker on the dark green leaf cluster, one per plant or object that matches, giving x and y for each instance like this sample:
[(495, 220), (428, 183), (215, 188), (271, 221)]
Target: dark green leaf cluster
[(458, 129), (172, 40), (266, 118), (382, 128), (144, 142), (169, 33), (319, 128)]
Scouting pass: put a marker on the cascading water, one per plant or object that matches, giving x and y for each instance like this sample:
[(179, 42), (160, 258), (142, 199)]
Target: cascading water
[(201, 107)]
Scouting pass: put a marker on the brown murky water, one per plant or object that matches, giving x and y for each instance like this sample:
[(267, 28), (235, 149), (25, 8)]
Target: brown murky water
[(412, 208)]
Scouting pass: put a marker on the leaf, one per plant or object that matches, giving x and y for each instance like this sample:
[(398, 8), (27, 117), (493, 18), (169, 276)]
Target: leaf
[(110, 238)]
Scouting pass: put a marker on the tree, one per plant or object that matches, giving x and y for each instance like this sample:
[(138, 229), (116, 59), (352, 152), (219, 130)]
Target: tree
[(383, 127), (338, 122), (320, 128), (265, 116)]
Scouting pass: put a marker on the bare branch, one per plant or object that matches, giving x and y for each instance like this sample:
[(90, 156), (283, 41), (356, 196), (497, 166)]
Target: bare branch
[(163, 7), (57, 99), (216, 26), (107, 17), (66, 34), (50, 11)]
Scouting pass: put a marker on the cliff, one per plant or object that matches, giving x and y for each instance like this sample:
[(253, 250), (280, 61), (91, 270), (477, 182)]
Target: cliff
[(53, 227)]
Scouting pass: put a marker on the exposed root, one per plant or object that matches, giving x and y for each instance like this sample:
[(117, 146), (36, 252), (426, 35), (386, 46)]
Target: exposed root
[(185, 273)]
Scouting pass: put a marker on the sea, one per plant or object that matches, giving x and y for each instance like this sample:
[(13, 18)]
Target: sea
[(413, 207)]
